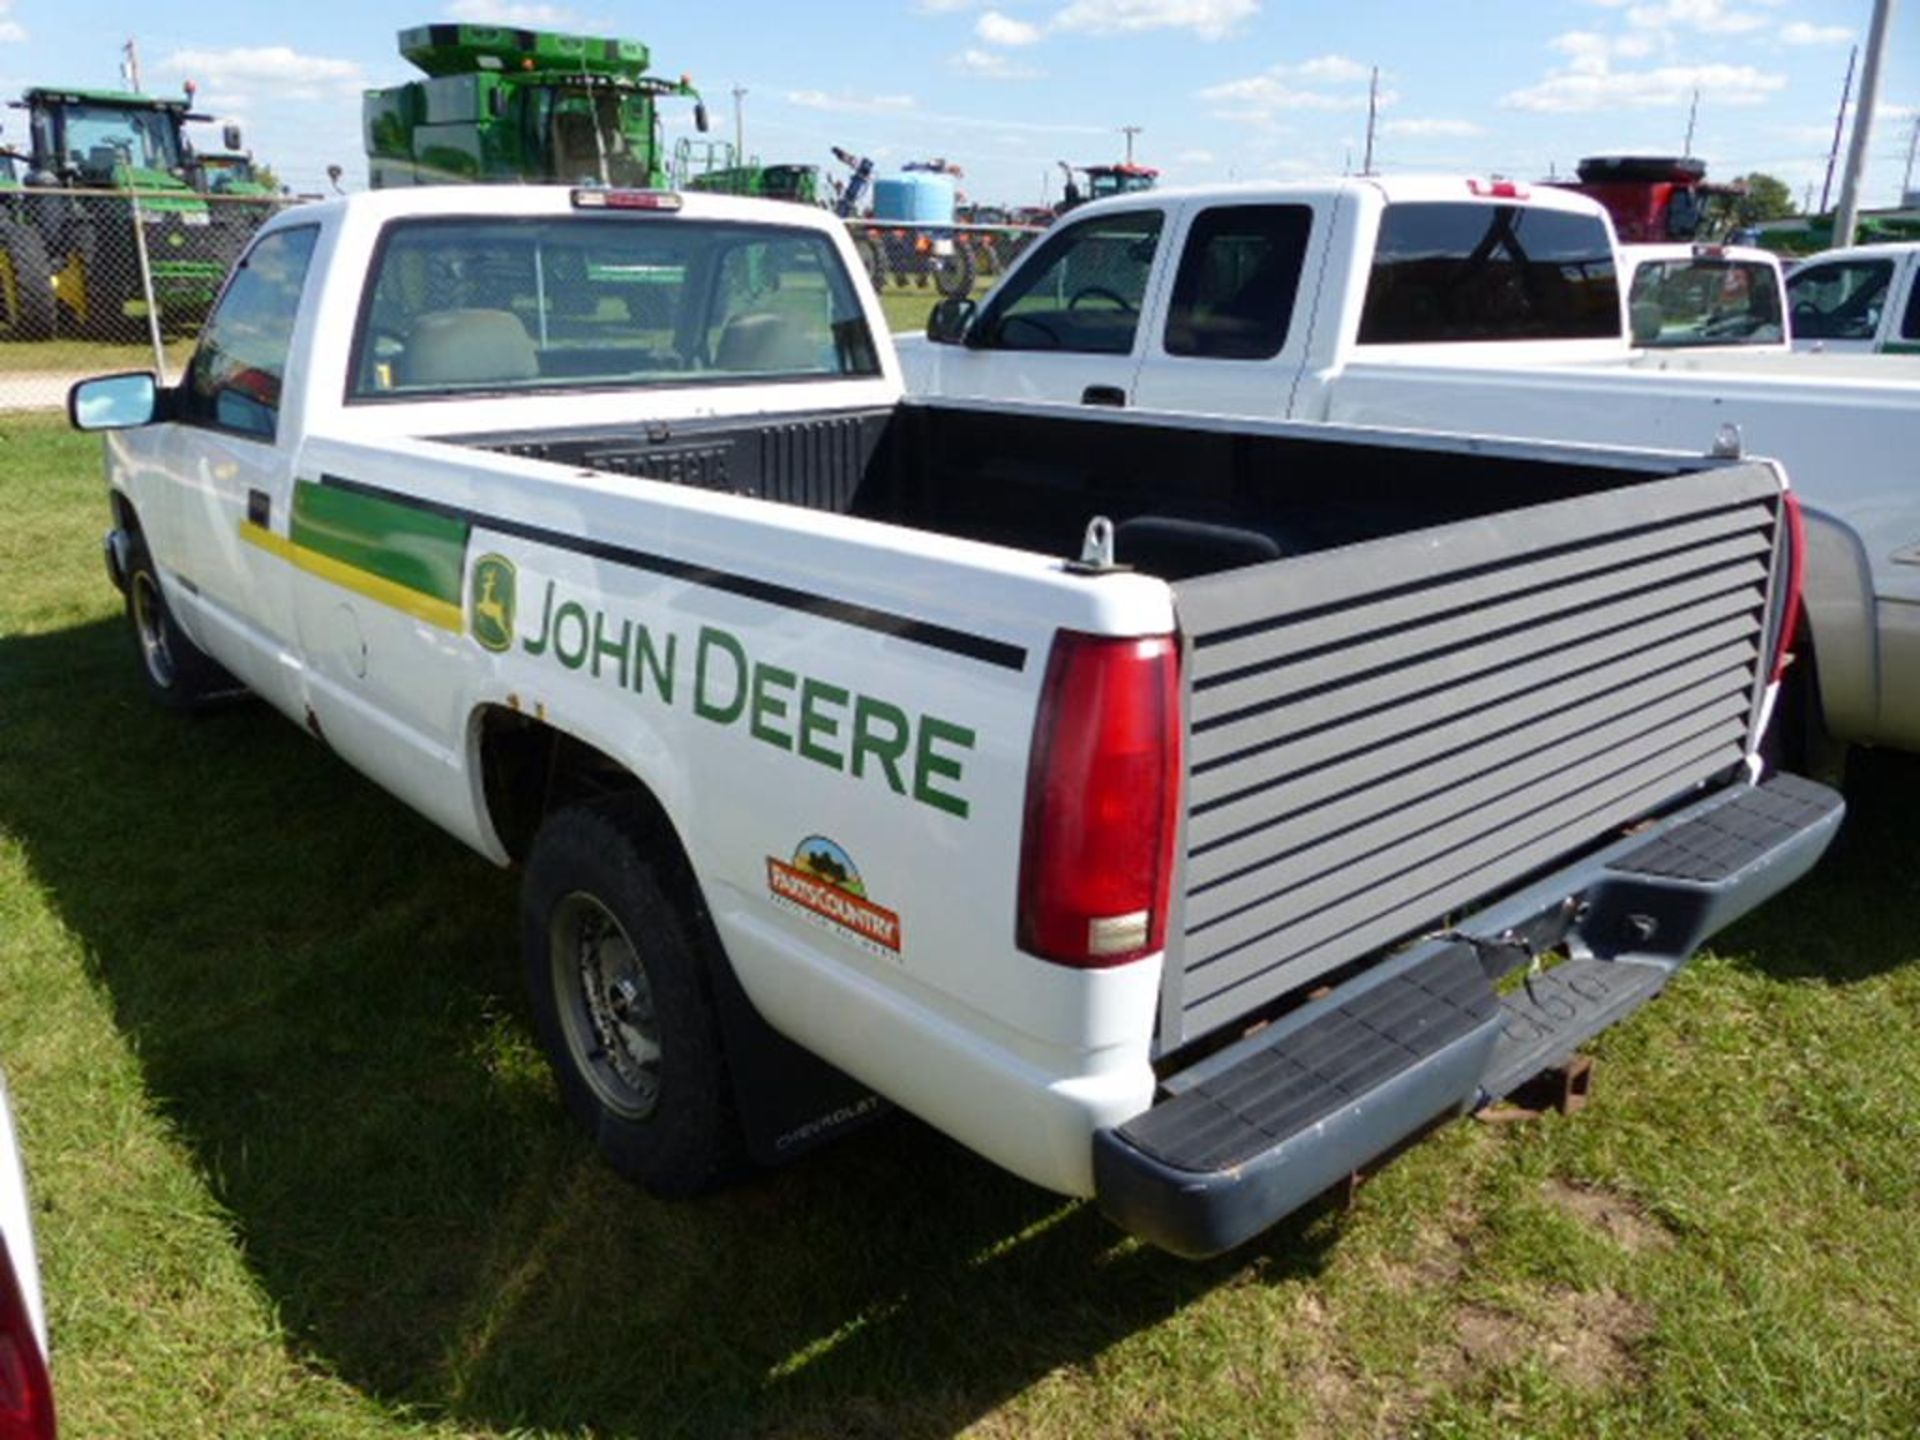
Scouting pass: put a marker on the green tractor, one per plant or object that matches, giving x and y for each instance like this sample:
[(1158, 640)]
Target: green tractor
[(69, 257), (505, 106)]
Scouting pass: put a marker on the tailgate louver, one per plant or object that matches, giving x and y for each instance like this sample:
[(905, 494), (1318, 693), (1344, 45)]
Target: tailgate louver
[(1382, 734)]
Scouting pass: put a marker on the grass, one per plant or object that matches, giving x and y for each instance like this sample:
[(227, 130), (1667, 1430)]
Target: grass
[(86, 356), (299, 1171)]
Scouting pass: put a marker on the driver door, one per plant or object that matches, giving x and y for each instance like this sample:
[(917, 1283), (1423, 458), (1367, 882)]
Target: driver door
[(1066, 326)]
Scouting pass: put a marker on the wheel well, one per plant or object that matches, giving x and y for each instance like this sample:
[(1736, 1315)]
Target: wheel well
[(124, 515), (529, 769)]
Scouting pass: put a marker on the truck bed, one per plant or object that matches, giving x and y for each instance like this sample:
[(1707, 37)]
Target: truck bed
[(1415, 665)]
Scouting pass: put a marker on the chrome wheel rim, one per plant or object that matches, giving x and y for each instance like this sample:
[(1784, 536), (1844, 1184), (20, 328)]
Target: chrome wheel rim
[(150, 627), (606, 1005)]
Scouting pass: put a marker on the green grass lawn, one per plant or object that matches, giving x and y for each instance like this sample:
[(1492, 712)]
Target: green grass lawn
[(299, 1171)]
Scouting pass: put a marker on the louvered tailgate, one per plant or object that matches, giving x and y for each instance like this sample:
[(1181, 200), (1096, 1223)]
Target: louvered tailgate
[(1381, 734)]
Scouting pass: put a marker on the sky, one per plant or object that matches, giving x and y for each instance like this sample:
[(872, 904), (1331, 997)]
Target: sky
[(1220, 89)]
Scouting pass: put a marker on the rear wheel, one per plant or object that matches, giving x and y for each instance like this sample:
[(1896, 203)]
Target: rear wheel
[(178, 672), (26, 283), (619, 974), (954, 278)]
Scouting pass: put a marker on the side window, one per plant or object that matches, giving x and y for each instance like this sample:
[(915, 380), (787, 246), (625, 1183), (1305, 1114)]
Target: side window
[(1910, 323), (1462, 272), (1233, 298), (1841, 301), (240, 364), (1083, 291)]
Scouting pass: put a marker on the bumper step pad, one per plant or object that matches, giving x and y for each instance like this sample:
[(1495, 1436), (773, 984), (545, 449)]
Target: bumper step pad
[(1728, 838), (1326, 1064)]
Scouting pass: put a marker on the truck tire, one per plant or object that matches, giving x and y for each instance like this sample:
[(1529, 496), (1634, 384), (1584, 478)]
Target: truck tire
[(30, 302), (954, 278), (178, 672), (619, 973)]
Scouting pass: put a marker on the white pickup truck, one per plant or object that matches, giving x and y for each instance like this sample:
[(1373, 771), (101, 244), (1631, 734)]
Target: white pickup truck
[(1464, 305), (1862, 300), (844, 762)]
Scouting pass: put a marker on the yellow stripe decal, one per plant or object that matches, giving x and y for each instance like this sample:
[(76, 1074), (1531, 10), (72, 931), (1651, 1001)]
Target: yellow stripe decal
[(434, 611)]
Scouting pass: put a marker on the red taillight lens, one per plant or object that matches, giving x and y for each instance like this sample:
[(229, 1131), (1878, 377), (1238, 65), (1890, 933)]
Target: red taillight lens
[(1796, 579), (26, 1392), (1096, 856)]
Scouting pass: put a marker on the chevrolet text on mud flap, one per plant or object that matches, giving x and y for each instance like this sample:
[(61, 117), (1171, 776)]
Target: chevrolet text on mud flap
[(1179, 870)]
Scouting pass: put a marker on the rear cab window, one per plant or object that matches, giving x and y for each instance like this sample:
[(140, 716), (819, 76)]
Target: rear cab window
[(1453, 272), (1239, 274), (1082, 292), (1704, 301), (486, 305)]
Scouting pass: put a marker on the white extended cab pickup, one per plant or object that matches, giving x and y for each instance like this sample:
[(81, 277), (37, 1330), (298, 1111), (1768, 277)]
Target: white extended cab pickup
[(845, 765), (1466, 305)]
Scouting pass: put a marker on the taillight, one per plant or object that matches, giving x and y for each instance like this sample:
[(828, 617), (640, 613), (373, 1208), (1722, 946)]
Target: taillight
[(26, 1392), (1796, 578), (1096, 856)]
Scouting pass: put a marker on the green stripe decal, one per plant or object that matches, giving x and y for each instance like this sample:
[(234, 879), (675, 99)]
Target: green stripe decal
[(416, 548)]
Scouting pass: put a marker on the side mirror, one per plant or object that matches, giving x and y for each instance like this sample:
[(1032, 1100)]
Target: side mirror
[(497, 104), (947, 322), (700, 116), (113, 402), (231, 136)]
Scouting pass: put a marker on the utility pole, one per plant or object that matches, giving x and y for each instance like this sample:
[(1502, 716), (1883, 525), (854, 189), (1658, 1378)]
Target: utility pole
[(739, 126), (130, 63), (1373, 112), (1846, 214), (1130, 131), (1839, 124), (1913, 144), (1693, 114)]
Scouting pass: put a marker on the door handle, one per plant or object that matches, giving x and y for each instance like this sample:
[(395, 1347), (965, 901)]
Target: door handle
[(1104, 395)]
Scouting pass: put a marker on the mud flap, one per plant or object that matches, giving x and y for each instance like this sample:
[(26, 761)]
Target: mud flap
[(790, 1100)]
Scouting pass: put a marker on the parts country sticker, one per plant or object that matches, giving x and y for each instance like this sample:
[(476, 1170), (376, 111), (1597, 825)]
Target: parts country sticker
[(822, 883)]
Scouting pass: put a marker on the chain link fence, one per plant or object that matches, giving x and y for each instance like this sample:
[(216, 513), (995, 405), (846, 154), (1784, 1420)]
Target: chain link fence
[(955, 260), (101, 280)]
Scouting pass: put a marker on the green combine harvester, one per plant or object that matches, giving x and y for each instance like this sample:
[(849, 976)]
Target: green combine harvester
[(505, 106), (69, 260)]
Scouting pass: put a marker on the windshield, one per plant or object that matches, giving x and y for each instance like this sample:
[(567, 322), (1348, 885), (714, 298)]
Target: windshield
[(582, 302), (1699, 301), (598, 135), (99, 137)]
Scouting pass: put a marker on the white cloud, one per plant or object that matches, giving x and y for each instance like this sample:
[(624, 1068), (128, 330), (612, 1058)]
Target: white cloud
[(1590, 52), (1328, 82), (1196, 157), (1582, 90), (11, 30), (943, 7), (991, 65), (1799, 32), (1209, 19), (1710, 17), (997, 29), (290, 75), (1434, 127), (508, 12), (821, 100)]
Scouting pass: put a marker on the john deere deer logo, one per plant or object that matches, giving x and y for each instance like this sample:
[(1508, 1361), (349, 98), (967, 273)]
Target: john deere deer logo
[(490, 616)]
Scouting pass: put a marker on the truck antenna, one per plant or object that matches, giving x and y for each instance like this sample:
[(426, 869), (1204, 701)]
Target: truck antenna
[(1373, 114), (1129, 131)]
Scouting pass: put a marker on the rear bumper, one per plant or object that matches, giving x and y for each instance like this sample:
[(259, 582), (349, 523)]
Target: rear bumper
[(1251, 1133)]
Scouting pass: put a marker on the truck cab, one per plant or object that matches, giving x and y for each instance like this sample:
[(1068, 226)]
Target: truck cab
[(1689, 296), (1861, 300)]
